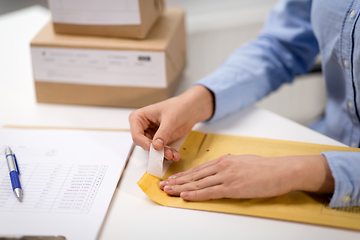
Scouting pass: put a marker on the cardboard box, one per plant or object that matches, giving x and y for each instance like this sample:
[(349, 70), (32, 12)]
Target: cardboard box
[(100, 71), (120, 18)]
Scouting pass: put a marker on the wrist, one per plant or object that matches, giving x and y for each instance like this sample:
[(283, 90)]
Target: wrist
[(200, 102), (312, 174)]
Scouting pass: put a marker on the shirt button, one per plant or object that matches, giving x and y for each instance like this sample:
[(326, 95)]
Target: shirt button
[(346, 199), (346, 63), (350, 105), (353, 144), (352, 14)]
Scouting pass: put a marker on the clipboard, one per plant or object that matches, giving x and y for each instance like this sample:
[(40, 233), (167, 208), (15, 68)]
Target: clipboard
[(126, 160), (34, 238), (89, 129)]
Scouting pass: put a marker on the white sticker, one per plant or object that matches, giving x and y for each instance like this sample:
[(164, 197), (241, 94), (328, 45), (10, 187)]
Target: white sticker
[(99, 67), (157, 165), (96, 12)]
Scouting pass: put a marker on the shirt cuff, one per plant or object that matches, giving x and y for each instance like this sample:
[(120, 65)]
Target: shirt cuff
[(232, 92), (345, 169)]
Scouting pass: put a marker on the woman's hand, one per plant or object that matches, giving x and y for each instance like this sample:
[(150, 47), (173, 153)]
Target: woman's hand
[(164, 122), (251, 176)]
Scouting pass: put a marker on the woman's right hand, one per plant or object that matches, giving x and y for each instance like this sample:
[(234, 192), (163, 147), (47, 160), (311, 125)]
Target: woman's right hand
[(164, 122)]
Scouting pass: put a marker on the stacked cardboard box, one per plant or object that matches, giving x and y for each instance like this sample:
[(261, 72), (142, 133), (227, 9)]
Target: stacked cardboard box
[(109, 71), (114, 18)]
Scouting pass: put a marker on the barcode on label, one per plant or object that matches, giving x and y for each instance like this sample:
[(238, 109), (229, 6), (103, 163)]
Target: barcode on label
[(144, 58)]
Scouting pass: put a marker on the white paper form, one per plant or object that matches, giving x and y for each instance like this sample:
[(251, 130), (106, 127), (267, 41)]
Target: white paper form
[(96, 12), (68, 178), (99, 67)]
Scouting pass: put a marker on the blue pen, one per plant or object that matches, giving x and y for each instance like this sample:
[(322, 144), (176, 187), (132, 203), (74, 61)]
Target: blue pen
[(14, 173)]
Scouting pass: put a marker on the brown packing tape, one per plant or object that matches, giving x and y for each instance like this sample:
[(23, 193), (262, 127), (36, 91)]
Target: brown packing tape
[(295, 206), (150, 12)]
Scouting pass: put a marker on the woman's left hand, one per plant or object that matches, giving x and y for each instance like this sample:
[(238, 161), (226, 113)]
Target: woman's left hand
[(251, 176)]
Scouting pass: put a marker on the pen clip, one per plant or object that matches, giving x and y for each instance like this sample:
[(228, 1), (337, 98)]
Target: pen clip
[(16, 164)]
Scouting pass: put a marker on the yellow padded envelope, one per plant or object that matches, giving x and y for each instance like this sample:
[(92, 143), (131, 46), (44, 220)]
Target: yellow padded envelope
[(295, 206)]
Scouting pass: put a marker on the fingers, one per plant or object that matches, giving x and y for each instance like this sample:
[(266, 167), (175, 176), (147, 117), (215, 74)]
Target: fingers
[(203, 183), (158, 143), (142, 140), (194, 169), (150, 132), (204, 189), (162, 135), (214, 192), (190, 178), (198, 178), (196, 184), (145, 133), (138, 126), (171, 154)]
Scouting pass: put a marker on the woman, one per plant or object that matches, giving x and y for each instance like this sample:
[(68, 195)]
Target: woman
[(296, 31)]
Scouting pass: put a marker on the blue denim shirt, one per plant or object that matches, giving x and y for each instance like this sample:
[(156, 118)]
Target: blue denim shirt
[(295, 32)]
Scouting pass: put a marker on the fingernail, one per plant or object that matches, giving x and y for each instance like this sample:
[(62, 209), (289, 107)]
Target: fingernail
[(159, 141), (176, 156), (168, 188), (163, 183), (172, 177), (184, 195)]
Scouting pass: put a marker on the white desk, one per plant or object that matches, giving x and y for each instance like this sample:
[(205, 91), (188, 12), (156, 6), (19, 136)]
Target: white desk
[(132, 215)]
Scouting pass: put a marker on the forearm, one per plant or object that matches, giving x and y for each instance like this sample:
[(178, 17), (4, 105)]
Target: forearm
[(199, 102), (311, 173)]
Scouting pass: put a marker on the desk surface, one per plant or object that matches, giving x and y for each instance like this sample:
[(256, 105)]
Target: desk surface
[(132, 215)]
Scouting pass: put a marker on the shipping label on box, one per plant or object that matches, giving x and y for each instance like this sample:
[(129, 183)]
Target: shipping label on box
[(99, 67), (95, 12)]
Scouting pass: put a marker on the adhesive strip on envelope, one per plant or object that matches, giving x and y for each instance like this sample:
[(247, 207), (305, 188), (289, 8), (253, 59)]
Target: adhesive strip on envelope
[(156, 162)]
